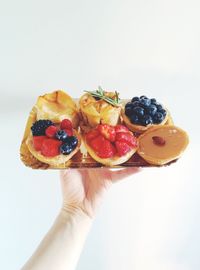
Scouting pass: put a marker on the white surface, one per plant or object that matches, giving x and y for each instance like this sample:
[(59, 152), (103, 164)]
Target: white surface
[(150, 221)]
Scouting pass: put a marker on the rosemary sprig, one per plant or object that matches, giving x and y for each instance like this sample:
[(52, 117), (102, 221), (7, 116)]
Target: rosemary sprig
[(100, 93)]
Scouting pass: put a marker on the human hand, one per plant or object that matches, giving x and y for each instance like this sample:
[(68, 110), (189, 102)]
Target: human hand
[(83, 189)]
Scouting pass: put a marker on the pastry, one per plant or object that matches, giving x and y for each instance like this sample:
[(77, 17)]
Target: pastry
[(53, 143), (162, 144), (110, 145), (141, 113), (100, 107), (57, 106), (41, 147)]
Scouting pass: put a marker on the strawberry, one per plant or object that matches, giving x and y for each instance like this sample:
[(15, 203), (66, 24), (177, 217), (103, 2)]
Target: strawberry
[(107, 150), (107, 131), (92, 134), (51, 147), (69, 132), (37, 142), (51, 131), (66, 124), (121, 128), (102, 147), (126, 137), (122, 148), (97, 143)]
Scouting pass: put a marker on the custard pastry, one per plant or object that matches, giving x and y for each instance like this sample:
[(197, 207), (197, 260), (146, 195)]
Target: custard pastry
[(162, 144), (100, 107)]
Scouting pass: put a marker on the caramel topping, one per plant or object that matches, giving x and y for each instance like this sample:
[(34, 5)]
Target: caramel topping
[(158, 140)]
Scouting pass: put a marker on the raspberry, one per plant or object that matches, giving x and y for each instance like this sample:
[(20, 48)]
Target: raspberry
[(37, 142), (51, 147), (66, 124), (51, 131)]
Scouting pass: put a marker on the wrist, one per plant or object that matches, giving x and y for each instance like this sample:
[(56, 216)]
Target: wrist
[(75, 211)]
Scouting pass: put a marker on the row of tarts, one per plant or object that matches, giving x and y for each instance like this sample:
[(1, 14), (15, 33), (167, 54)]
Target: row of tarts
[(111, 130)]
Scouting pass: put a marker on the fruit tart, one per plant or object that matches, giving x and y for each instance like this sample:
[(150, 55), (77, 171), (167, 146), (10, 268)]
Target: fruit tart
[(53, 143), (100, 107), (110, 145), (41, 146), (141, 113)]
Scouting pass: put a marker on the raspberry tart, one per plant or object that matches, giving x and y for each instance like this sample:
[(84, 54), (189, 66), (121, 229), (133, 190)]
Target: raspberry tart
[(141, 113), (100, 107), (53, 143), (110, 145)]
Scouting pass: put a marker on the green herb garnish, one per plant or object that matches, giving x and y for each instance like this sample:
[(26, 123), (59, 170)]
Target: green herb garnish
[(100, 93)]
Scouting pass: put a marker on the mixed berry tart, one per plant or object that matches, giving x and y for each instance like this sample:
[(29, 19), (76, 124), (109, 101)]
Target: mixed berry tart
[(142, 112), (110, 145), (53, 143)]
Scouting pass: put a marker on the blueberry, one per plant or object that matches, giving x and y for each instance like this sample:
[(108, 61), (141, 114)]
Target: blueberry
[(145, 102), (66, 149), (138, 111), (158, 118), (136, 103), (135, 99), (163, 111), (143, 97), (134, 119), (72, 140), (128, 108), (61, 135), (151, 110), (146, 120), (159, 107), (129, 105), (153, 101)]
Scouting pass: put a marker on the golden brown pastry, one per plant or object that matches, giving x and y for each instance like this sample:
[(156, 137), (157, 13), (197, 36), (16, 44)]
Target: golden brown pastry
[(104, 108), (162, 144), (57, 106)]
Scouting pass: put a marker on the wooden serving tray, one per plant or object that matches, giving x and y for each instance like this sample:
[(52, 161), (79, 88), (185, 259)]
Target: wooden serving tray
[(80, 160)]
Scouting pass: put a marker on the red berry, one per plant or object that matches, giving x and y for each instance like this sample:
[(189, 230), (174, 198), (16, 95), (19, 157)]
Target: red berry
[(37, 142), (107, 131), (66, 124), (122, 148), (51, 131), (69, 132), (107, 150), (121, 128), (51, 147), (92, 134), (127, 137), (97, 143), (102, 147)]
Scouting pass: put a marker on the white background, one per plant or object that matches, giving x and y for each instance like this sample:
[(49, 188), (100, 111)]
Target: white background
[(149, 221)]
